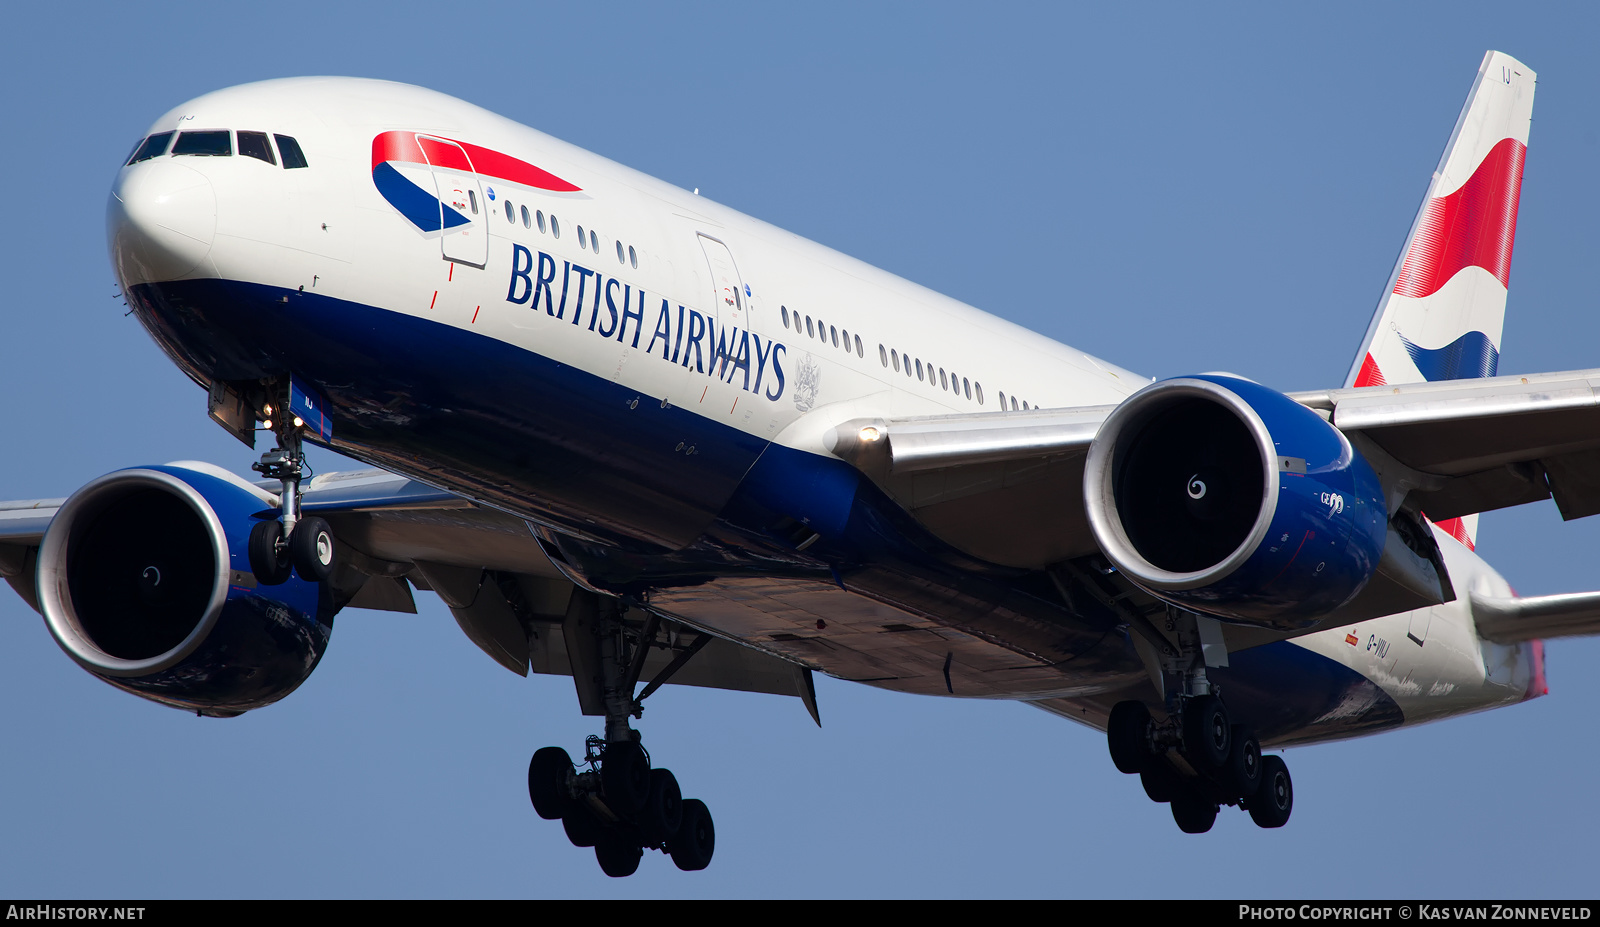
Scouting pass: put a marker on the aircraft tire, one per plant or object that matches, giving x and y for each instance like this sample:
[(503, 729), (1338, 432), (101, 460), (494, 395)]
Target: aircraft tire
[(1194, 814), (547, 782), (696, 839), (1207, 736), (582, 827), (625, 778), (1127, 734), (1274, 800), (311, 549), (663, 810), (270, 567), (1244, 764), (1159, 784), (618, 856)]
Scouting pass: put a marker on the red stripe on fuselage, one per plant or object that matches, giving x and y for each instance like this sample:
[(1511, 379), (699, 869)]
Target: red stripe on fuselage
[(1474, 226), (407, 146)]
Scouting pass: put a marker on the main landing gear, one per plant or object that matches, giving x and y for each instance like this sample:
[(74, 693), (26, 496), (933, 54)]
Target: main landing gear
[(1196, 759), (621, 806), (303, 544), (614, 800)]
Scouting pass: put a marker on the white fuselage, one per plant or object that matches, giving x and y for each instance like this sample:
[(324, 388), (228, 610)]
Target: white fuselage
[(649, 260)]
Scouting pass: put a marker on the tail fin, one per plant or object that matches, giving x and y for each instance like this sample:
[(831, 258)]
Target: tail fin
[(1444, 310)]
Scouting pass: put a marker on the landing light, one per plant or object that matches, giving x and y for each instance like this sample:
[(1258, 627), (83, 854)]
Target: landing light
[(297, 422), (870, 434), (267, 424)]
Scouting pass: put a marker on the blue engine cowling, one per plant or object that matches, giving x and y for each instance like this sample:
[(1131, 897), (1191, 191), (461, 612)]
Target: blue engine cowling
[(144, 580), (1225, 497)]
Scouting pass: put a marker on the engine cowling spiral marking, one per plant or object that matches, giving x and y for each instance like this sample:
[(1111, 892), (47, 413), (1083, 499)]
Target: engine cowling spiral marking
[(1197, 487)]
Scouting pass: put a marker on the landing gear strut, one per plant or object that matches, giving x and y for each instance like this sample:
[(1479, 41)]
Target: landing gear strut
[(303, 544), (1196, 759), (614, 800)]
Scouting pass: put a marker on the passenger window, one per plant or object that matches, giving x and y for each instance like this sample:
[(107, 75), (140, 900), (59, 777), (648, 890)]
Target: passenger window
[(966, 385), (215, 144), (527, 221), (785, 311), (883, 355), (538, 216), (809, 330), (919, 368), (290, 151), (978, 388), (944, 383), (1013, 403), (153, 147), (633, 258), (834, 334), (555, 227), (582, 242), (1002, 400), (620, 258), (859, 351), (895, 356), (511, 215), (472, 200), (594, 242), (907, 359), (255, 145)]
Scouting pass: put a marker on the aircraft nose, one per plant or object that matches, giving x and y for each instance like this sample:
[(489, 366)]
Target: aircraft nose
[(161, 219)]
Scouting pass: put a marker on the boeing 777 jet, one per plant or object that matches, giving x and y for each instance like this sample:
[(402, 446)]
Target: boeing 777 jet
[(636, 438)]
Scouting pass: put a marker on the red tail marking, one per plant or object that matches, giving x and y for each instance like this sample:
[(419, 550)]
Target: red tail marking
[(1474, 226), (1457, 529), (1370, 375)]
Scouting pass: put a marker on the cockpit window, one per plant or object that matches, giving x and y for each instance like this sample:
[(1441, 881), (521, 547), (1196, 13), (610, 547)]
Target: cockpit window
[(153, 147), (212, 143), (254, 145), (290, 149)]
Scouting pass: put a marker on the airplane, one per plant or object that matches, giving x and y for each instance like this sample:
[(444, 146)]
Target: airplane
[(886, 486)]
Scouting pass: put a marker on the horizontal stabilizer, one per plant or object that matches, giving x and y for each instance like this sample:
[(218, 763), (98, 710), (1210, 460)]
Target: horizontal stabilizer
[(1508, 621)]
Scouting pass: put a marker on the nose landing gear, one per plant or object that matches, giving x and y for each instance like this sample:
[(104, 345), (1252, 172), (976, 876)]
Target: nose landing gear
[(303, 544)]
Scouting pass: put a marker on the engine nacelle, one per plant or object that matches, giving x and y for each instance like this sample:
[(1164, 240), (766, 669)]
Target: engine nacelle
[(145, 581), (1225, 497)]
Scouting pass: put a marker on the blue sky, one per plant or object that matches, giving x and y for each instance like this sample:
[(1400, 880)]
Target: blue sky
[(1177, 188)]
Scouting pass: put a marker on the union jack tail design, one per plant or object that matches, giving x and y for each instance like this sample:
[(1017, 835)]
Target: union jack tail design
[(1443, 312)]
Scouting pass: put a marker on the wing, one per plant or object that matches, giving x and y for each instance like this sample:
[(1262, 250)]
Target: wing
[(1464, 446), (1009, 486), (516, 604), (1449, 448)]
